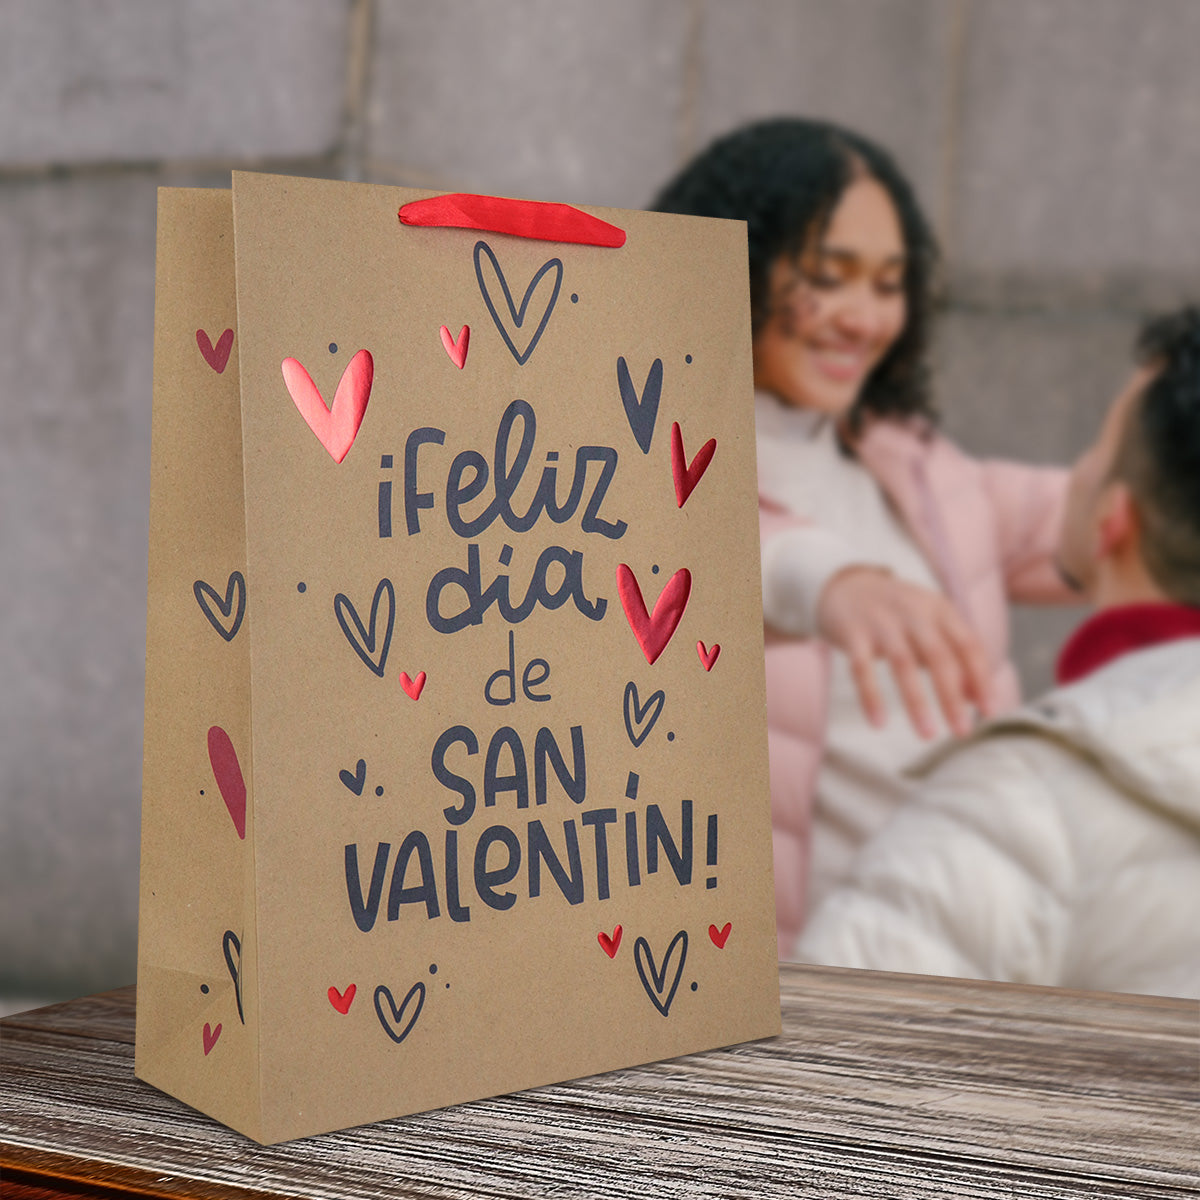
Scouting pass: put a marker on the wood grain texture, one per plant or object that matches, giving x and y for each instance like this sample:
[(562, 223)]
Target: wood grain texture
[(880, 1086)]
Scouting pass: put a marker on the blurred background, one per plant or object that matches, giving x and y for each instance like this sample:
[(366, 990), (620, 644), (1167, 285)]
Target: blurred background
[(1054, 143)]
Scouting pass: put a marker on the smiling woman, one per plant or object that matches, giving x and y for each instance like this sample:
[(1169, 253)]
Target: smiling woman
[(835, 314), (880, 540)]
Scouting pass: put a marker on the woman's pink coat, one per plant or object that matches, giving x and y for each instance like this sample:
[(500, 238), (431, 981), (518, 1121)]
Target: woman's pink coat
[(988, 529)]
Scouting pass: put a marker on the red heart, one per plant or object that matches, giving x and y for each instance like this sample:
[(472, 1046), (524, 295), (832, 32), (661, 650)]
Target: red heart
[(210, 1037), (610, 945), (228, 774), (216, 356), (708, 657), (457, 350), (412, 686), (654, 630), (342, 1001), (336, 426), (686, 477), (720, 936)]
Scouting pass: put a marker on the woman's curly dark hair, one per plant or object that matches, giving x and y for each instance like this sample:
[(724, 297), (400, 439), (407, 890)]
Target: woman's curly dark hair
[(1159, 455), (784, 177)]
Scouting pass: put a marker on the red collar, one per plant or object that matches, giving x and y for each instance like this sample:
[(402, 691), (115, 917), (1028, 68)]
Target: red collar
[(1115, 631)]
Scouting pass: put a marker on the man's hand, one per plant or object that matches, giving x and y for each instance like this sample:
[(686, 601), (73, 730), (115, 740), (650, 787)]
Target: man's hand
[(869, 614)]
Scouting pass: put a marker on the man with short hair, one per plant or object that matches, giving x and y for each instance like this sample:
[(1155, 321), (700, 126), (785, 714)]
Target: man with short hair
[(1061, 844)]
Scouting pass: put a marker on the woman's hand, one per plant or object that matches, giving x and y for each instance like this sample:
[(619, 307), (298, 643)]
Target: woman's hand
[(869, 614)]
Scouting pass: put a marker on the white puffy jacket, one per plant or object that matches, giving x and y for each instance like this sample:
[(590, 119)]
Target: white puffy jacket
[(1059, 845)]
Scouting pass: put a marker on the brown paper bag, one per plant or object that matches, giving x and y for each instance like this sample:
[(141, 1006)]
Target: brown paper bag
[(455, 754)]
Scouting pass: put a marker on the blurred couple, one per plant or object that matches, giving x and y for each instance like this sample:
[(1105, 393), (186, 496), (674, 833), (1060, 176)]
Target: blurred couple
[(1055, 843)]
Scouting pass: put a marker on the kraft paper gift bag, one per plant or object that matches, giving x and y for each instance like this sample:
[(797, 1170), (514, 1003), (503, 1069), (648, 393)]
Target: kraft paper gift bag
[(455, 747)]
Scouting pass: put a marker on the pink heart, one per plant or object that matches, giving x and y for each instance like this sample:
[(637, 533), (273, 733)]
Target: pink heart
[(719, 936), (686, 477), (342, 1000), (412, 686), (336, 427), (654, 630), (708, 657), (210, 1037), (457, 350), (216, 356), (228, 774), (610, 945)]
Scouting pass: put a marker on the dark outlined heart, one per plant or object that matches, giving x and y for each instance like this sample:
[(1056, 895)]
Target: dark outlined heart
[(206, 594), (395, 1020), (610, 945), (216, 356), (654, 979), (654, 630), (356, 780), (641, 411), (517, 315), (336, 425), (228, 773), (362, 639), (636, 714), (231, 945), (687, 475), (342, 1000)]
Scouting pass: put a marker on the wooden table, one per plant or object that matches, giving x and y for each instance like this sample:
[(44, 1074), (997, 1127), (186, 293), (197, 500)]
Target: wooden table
[(881, 1085)]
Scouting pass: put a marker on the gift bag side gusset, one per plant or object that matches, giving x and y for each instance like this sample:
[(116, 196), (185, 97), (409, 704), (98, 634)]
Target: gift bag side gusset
[(512, 818), (196, 1035)]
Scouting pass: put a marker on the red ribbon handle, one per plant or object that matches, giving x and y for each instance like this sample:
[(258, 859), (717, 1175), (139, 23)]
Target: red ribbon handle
[(521, 218)]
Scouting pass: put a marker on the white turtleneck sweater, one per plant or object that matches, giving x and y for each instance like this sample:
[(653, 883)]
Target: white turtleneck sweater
[(802, 467)]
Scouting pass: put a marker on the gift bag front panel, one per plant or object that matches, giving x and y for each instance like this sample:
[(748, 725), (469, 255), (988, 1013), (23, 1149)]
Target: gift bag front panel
[(509, 749)]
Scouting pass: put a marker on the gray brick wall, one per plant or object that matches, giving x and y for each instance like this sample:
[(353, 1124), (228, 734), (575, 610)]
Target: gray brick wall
[(544, 98), (1052, 141), (99, 81), (1079, 146)]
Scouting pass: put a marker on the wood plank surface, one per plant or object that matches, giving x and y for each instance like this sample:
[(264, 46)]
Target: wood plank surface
[(880, 1086)]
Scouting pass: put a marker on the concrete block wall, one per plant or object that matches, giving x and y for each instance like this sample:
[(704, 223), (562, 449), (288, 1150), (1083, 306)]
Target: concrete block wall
[(1052, 142)]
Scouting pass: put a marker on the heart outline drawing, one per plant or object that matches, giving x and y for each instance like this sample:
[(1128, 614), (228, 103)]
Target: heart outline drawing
[(636, 712), (654, 630), (205, 592), (336, 426), (641, 411), (227, 771), (365, 647), (356, 779), (457, 349), (610, 945), (342, 1000), (518, 314), (216, 356), (687, 475), (655, 985), (384, 992)]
